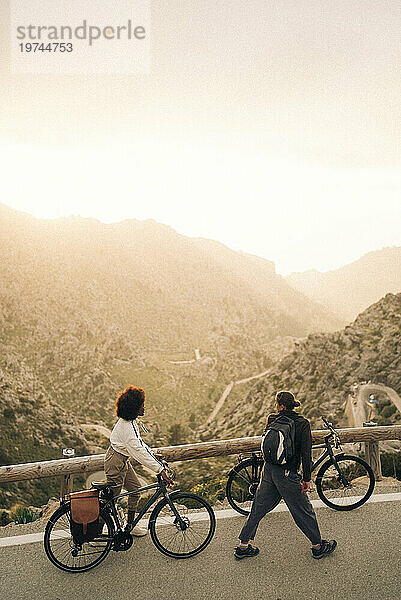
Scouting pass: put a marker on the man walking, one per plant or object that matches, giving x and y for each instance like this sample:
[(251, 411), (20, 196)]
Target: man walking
[(283, 481)]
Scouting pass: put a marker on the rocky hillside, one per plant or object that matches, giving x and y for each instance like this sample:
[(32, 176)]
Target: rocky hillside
[(87, 308), (33, 427), (351, 289), (321, 371)]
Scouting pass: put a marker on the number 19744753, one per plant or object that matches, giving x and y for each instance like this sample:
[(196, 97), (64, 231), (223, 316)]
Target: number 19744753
[(50, 47)]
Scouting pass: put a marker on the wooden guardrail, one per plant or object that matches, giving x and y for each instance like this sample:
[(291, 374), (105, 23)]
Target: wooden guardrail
[(64, 468), (90, 464)]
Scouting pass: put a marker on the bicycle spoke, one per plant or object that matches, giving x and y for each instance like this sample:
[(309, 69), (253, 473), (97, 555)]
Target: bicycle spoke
[(60, 547), (358, 488), (240, 474), (242, 484), (184, 535)]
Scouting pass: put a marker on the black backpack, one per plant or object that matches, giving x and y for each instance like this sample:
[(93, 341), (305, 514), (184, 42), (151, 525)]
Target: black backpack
[(278, 445)]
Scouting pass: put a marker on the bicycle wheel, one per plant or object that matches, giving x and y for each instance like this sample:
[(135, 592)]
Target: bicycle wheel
[(347, 488), (62, 551), (188, 537), (242, 483)]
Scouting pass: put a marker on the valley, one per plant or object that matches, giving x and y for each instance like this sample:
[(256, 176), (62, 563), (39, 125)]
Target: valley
[(88, 308)]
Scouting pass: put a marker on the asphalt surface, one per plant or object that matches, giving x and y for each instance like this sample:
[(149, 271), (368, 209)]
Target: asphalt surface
[(366, 565)]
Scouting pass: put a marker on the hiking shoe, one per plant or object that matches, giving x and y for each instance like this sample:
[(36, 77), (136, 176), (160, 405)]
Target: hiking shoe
[(245, 552), (326, 547)]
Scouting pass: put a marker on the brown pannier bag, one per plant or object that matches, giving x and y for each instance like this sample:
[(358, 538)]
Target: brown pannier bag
[(84, 512)]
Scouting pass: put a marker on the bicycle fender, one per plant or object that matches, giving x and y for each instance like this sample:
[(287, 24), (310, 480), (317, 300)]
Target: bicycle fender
[(162, 501), (323, 467)]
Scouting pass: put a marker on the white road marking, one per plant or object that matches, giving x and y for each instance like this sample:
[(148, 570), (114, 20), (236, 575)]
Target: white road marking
[(18, 540), (30, 538)]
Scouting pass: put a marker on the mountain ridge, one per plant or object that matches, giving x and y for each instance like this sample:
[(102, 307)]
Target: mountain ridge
[(350, 289)]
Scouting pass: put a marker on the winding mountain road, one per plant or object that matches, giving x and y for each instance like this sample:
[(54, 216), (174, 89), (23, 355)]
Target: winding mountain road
[(226, 393), (358, 405), (370, 388)]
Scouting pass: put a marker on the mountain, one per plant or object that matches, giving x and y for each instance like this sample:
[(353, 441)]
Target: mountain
[(349, 290), (88, 308), (76, 290), (321, 370)]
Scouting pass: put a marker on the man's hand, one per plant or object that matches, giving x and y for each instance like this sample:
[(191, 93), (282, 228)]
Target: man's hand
[(305, 486), (166, 478)]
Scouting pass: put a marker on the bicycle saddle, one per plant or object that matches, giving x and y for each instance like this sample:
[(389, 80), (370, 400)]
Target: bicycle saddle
[(101, 485)]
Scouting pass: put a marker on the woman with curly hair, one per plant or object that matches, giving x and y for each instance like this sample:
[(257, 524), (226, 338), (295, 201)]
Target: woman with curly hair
[(126, 443)]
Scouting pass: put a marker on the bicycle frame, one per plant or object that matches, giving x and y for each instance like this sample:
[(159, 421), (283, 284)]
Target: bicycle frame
[(326, 454), (161, 490)]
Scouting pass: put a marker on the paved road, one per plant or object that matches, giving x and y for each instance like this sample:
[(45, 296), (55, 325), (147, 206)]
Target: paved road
[(366, 565), (359, 411), (372, 388)]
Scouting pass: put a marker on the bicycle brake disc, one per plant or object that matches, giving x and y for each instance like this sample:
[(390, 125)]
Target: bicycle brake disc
[(122, 541)]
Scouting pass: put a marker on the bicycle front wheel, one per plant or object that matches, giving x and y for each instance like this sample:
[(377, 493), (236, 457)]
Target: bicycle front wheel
[(242, 484), (184, 535), (347, 487), (60, 547)]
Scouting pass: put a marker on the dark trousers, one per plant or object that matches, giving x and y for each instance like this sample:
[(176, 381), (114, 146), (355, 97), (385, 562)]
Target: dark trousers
[(277, 483)]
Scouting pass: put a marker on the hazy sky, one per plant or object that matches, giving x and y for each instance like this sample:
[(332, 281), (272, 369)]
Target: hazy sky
[(272, 126)]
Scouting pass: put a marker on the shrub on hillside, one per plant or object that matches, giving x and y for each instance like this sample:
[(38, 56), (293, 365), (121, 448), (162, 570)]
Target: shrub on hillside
[(21, 514), (388, 411), (213, 489), (177, 434)]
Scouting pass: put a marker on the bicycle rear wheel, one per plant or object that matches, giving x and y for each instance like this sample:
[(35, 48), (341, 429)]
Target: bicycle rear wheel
[(242, 484), (67, 556), (187, 536), (346, 488)]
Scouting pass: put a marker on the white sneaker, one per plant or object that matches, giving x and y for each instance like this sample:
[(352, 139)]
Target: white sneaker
[(139, 531)]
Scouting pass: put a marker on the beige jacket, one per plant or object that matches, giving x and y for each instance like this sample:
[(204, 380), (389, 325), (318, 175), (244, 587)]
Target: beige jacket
[(126, 439)]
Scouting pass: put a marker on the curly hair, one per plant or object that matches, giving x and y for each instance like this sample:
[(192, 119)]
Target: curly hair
[(287, 399), (129, 402)]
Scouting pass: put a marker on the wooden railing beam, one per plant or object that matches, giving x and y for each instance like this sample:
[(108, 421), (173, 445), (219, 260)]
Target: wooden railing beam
[(89, 464)]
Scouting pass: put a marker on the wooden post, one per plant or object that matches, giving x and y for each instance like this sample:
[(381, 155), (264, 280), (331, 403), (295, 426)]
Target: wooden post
[(372, 454), (66, 480)]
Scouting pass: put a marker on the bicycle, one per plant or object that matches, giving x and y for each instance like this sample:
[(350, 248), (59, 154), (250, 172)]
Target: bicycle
[(343, 482), (181, 525)]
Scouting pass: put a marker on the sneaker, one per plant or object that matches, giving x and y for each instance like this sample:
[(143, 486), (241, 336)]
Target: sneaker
[(137, 531), (245, 552), (326, 547)]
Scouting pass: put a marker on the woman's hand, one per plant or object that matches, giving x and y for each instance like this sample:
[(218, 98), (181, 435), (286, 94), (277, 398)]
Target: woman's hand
[(166, 478)]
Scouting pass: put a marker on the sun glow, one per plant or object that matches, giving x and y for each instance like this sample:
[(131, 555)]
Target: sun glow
[(300, 215)]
